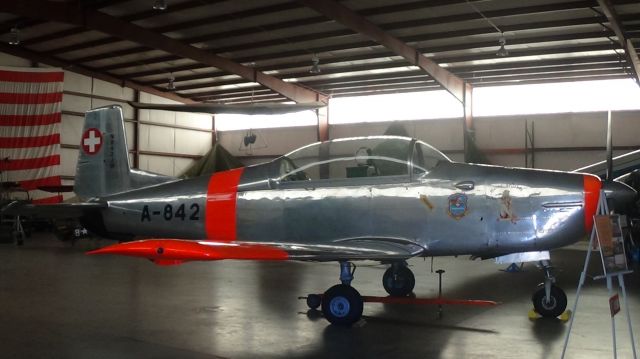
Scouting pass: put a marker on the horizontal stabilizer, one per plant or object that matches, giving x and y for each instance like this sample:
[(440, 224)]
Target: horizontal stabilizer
[(240, 109), (176, 251), (57, 210)]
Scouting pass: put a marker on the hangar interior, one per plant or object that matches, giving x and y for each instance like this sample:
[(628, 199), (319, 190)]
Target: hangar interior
[(59, 302)]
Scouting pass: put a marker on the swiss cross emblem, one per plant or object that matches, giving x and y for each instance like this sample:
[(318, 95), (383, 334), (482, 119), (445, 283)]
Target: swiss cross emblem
[(91, 141)]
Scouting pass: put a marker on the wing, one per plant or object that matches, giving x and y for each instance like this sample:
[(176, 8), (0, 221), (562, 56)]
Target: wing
[(58, 210), (177, 251), (246, 109)]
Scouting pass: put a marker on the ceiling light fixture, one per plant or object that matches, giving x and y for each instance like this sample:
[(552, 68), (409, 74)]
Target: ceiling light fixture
[(502, 52), (160, 5), (14, 36), (315, 64), (171, 86)]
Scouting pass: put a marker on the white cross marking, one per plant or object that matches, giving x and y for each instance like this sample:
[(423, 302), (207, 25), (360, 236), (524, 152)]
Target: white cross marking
[(92, 141)]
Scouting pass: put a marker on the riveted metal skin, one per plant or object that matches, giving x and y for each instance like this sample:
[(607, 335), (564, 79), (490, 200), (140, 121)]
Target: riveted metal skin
[(547, 211), (451, 209)]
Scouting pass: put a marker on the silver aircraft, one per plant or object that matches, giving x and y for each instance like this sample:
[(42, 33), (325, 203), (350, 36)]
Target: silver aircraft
[(381, 198)]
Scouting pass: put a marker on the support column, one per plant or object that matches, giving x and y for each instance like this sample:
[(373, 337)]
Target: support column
[(214, 134), (468, 125), (323, 123), (136, 132)]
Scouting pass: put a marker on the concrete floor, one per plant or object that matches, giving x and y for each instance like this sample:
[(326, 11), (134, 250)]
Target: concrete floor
[(56, 302)]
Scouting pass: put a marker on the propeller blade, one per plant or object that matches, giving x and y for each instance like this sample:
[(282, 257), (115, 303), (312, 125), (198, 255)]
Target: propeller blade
[(240, 109), (609, 175)]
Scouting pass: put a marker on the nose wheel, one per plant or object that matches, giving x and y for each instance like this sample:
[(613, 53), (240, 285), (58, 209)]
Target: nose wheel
[(551, 307), (549, 301), (398, 280)]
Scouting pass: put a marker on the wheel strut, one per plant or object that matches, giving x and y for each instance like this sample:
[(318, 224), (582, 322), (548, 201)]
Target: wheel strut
[(347, 269), (549, 278)]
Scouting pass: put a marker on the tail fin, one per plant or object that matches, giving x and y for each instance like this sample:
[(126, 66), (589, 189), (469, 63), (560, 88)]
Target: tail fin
[(103, 162)]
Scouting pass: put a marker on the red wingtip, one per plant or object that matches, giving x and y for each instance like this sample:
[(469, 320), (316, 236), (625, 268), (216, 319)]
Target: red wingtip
[(165, 251)]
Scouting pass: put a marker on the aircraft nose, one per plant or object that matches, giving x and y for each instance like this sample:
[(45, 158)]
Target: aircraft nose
[(592, 185), (619, 194)]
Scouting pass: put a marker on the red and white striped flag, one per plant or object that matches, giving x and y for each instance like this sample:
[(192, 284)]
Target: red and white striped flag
[(30, 115)]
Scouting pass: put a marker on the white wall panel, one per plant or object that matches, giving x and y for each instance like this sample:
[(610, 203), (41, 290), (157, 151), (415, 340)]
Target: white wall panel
[(68, 160), (443, 134), (75, 103), (128, 129), (157, 139), (197, 120), (71, 129), (76, 82), (108, 89), (274, 141), (626, 128), (551, 130), (157, 164), (505, 132), (192, 142), (157, 116)]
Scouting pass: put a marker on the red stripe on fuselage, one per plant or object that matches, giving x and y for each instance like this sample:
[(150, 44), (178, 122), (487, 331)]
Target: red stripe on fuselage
[(592, 187), (220, 212)]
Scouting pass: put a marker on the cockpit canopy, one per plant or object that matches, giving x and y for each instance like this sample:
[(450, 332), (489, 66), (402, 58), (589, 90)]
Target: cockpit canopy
[(374, 156)]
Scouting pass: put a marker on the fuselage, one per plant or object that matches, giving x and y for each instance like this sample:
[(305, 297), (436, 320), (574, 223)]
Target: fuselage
[(451, 209)]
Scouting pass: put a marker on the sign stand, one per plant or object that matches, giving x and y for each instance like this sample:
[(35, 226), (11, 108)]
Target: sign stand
[(607, 235)]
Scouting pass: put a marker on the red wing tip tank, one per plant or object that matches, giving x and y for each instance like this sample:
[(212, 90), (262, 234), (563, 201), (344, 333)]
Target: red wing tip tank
[(382, 198), (173, 251)]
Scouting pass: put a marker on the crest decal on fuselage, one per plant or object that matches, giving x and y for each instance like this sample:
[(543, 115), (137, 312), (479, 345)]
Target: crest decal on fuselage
[(457, 205)]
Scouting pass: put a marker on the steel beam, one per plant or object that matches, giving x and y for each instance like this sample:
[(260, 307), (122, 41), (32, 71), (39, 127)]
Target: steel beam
[(359, 24), (74, 14), (616, 25), (52, 61), (323, 35)]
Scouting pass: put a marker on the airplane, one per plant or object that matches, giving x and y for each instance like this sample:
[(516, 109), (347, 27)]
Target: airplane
[(380, 198)]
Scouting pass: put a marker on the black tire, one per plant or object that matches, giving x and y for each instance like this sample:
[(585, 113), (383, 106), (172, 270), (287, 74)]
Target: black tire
[(314, 301), (342, 305), (556, 305), (398, 281)]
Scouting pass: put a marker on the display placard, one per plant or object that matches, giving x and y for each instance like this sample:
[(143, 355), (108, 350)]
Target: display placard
[(611, 243), (614, 304)]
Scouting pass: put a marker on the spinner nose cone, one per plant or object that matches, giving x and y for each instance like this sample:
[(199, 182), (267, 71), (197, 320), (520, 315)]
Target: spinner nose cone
[(619, 194), (592, 186)]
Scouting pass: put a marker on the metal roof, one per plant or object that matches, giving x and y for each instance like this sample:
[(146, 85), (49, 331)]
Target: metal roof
[(547, 40)]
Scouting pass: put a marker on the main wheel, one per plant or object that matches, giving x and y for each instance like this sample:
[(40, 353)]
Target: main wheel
[(342, 305), (398, 281), (554, 307)]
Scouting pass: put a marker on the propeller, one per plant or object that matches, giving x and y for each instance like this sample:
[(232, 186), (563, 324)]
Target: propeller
[(240, 109), (620, 196)]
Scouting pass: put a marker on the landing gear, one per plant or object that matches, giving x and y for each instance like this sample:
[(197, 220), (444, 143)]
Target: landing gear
[(550, 307), (398, 280), (341, 304), (549, 301)]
